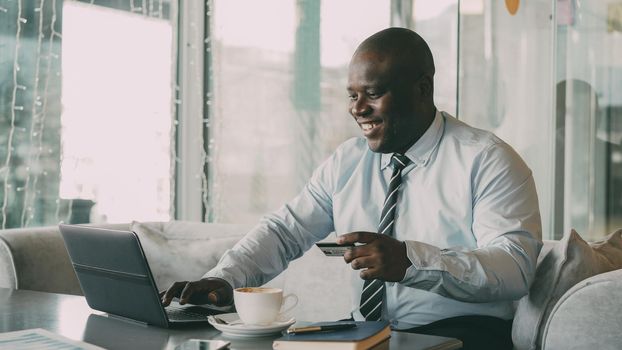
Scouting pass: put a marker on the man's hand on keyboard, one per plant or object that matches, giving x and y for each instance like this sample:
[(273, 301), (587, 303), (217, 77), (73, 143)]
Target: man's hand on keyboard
[(214, 291)]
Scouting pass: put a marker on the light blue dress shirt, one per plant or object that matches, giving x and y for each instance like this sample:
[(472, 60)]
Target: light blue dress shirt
[(467, 210)]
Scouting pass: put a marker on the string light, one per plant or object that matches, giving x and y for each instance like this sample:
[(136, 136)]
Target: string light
[(53, 35), (38, 113), (7, 162), (29, 197)]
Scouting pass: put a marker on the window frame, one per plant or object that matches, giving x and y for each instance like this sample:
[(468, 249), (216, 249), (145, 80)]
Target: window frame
[(190, 180)]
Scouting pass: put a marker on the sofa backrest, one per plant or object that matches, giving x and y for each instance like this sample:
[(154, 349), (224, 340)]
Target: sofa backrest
[(180, 250)]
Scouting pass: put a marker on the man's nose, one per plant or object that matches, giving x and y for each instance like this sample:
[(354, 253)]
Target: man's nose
[(360, 107)]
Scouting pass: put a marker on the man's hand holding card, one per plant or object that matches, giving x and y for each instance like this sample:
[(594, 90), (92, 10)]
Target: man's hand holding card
[(334, 249)]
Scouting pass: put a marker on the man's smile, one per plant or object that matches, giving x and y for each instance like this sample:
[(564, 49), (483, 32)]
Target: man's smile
[(370, 128)]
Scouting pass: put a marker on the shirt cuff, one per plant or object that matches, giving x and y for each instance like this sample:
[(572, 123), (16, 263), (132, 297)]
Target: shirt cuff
[(218, 273), (424, 257)]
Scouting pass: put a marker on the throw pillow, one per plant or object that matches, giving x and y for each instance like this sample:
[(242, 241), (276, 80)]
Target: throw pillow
[(569, 262), (182, 250)]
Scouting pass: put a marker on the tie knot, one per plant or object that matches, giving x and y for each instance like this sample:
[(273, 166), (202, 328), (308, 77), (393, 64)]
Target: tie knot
[(400, 161)]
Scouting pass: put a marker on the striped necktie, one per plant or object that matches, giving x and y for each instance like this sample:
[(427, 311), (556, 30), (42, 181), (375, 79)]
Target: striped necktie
[(373, 290)]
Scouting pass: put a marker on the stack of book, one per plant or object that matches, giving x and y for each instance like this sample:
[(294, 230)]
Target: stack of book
[(360, 336)]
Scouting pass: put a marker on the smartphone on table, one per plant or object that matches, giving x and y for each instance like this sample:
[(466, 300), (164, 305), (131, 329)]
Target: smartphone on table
[(203, 344)]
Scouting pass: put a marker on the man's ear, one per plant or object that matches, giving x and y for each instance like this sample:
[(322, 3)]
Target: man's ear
[(426, 86)]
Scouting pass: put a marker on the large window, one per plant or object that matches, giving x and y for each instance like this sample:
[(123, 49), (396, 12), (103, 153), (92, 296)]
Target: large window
[(121, 122), (278, 102), (279, 99), (86, 108), (117, 111), (98, 130)]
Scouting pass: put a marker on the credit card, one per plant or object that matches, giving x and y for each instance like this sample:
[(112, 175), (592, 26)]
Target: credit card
[(334, 249)]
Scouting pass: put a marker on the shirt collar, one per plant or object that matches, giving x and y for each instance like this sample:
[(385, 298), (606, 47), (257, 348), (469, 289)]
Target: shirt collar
[(420, 152)]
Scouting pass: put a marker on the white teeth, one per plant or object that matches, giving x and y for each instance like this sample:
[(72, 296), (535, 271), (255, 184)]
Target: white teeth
[(367, 126)]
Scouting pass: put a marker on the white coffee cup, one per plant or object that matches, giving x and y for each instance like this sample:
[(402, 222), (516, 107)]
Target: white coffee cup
[(261, 306)]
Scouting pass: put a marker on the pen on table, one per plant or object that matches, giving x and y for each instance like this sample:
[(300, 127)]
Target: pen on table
[(330, 327)]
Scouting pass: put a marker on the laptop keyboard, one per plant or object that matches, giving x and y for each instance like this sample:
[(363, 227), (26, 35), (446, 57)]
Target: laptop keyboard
[(190, 313)]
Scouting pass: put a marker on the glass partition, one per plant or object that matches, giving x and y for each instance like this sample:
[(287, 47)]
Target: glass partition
[(589, 116), (505, 79), (546, 76), (437, 22)]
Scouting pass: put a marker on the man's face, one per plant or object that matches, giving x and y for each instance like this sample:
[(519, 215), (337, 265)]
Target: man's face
[(383, 102)]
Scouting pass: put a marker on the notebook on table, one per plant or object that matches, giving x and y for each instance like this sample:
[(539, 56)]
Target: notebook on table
[(115, 277), (366, 335)]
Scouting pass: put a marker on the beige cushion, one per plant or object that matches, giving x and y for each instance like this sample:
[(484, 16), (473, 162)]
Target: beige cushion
[(183, 250), (567, 263)]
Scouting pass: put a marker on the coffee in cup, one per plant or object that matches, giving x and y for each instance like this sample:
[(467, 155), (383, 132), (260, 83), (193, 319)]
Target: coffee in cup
[(261, 306)]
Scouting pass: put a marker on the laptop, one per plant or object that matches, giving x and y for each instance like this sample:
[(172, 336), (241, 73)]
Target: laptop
[(115, 278)]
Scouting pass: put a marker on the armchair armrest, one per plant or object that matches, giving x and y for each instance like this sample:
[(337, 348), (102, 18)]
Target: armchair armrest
[(590, 311), (35, 258)]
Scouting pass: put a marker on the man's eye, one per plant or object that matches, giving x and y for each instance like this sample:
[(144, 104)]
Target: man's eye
[(373, 94), (352, 97)]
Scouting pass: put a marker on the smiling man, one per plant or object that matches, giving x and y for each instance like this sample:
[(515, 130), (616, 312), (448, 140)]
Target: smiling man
[(390, 96), (447, 214)]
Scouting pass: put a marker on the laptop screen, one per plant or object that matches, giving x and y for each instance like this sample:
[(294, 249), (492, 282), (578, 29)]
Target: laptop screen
[(113, 273)]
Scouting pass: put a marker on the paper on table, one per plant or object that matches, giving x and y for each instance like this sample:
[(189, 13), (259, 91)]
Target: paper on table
[(38, 338)]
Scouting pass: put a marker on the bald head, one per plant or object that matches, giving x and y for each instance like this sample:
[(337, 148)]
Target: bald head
[(391, 89), (405, 47)]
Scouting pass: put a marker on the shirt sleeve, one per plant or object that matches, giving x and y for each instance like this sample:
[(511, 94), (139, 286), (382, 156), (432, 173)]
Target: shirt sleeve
[(281, 236), (506, 225)]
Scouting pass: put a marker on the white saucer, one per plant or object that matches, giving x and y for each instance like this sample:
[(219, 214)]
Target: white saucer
[(237, 329)]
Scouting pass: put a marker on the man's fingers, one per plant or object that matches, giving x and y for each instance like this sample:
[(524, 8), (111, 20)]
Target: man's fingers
[(356, 237), (170, 293), (359, 251), (187, 292), (368, 267), (370, 273), (218, 296), (204, 291), (362, 263), (173, 291)]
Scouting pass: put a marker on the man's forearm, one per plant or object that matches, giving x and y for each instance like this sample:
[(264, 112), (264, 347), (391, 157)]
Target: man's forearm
[(279, 238), (503, 270), (253, 261)]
